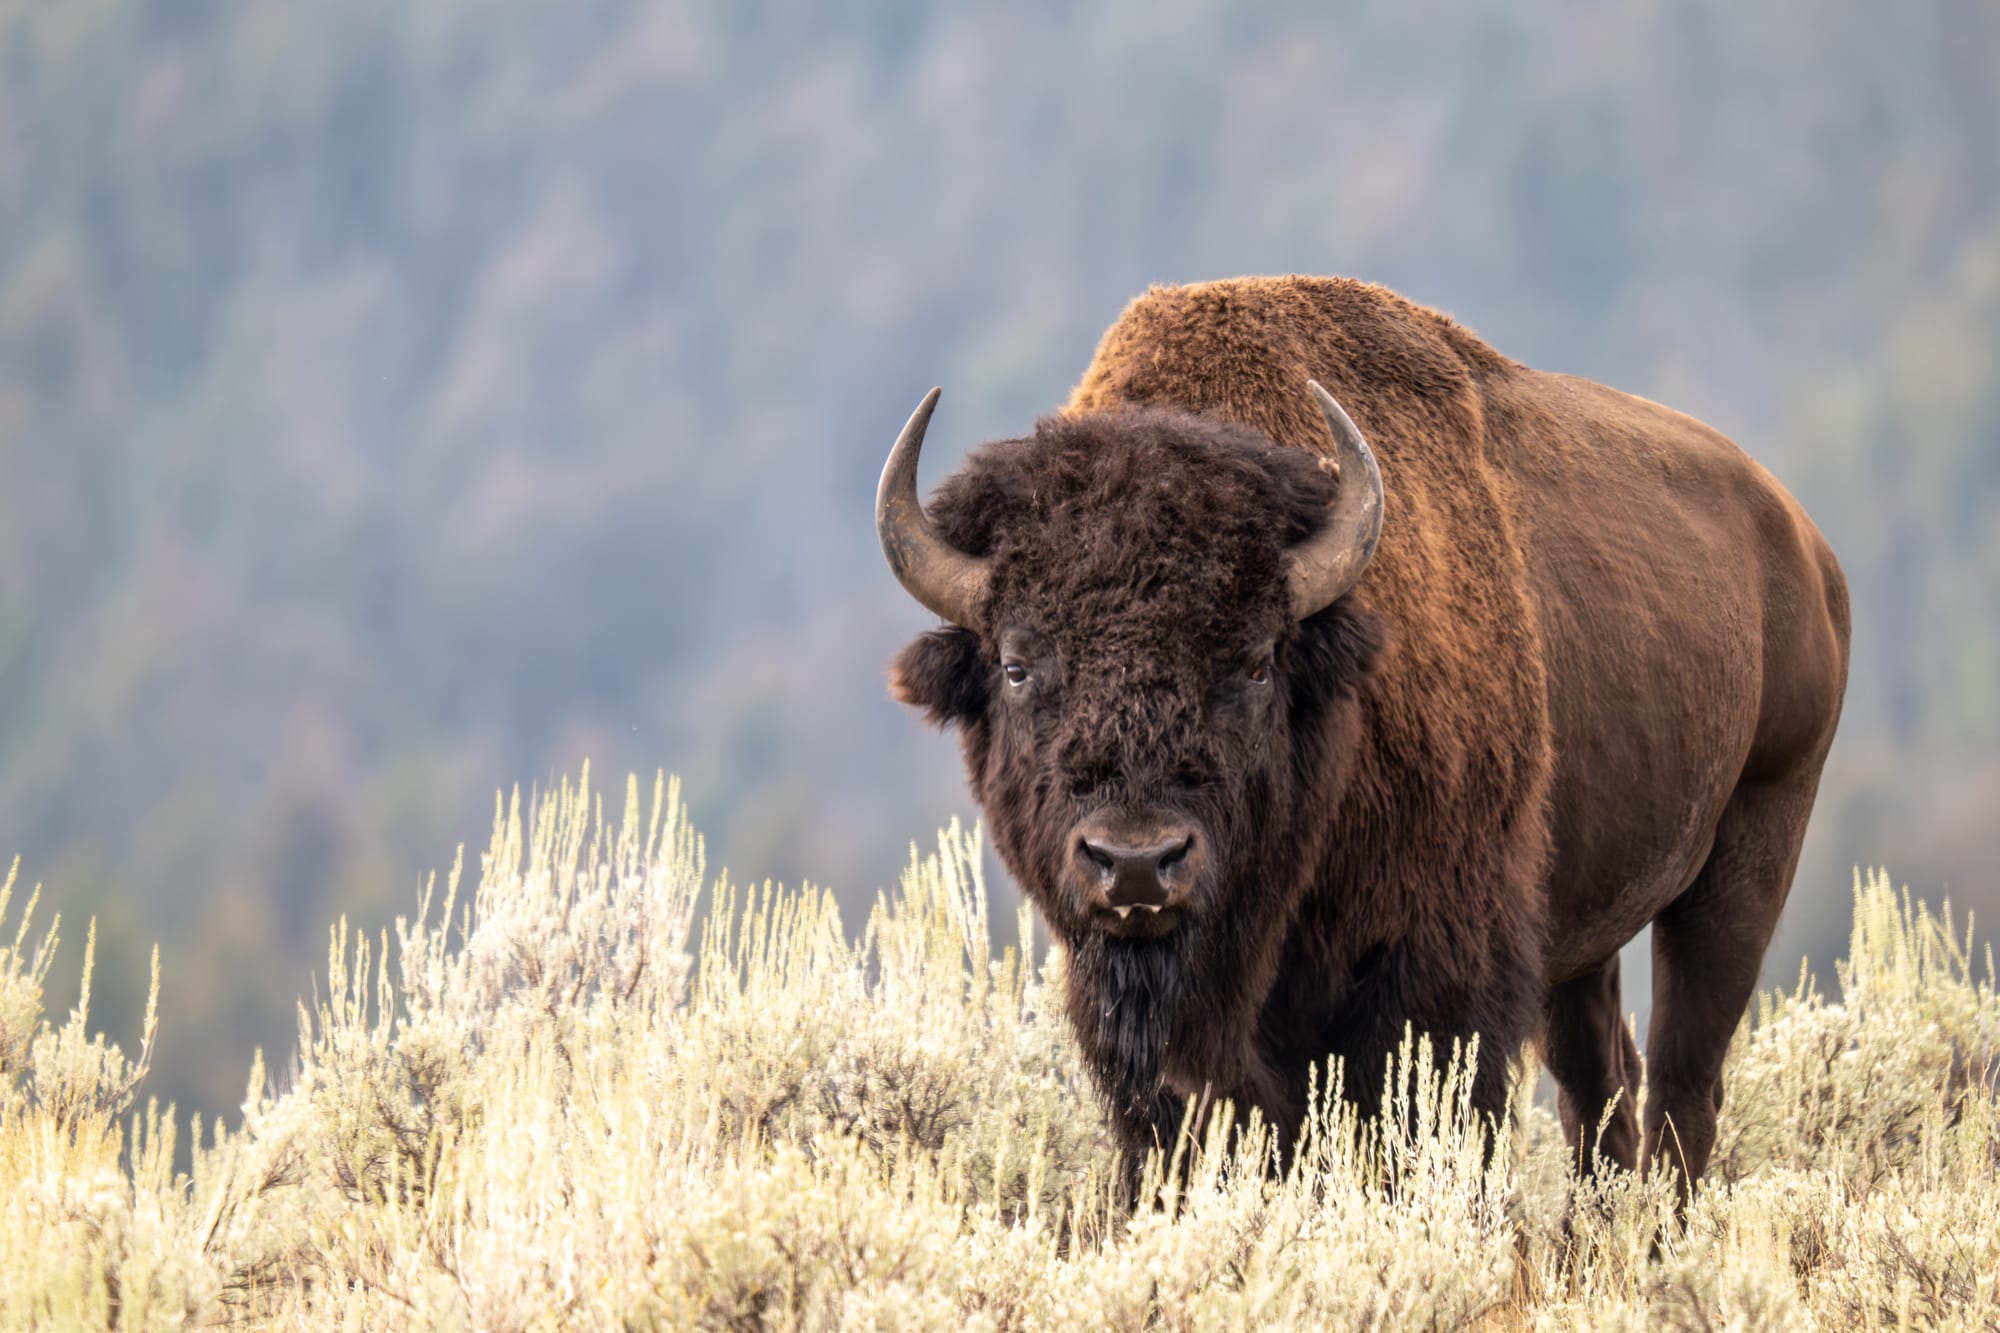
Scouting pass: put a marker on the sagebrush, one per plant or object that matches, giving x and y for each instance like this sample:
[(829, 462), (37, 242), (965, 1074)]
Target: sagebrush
[(576, 1097)]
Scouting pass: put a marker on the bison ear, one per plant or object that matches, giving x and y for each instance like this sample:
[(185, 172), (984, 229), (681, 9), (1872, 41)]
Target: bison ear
[(941, 673), (1337, 647)]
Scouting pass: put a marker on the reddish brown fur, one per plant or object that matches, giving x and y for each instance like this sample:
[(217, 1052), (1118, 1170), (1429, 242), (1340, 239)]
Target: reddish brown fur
[(1616, 656)]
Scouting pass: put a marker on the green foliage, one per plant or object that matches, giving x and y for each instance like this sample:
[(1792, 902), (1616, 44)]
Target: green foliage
[(562, 1103)]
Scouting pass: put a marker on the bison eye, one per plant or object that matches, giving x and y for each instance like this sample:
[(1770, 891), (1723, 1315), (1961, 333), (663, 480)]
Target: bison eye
[(1260, 674), (1016, 673)]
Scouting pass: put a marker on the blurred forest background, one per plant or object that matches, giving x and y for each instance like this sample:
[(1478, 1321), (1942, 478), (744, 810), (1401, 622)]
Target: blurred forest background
[(399, 401)]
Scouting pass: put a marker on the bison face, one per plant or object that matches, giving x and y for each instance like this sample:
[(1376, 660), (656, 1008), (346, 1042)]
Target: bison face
[(1130, 763), (1156, 734)]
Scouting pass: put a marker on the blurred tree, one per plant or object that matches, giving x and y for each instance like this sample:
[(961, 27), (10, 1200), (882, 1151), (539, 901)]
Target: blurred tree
[(398, 401)]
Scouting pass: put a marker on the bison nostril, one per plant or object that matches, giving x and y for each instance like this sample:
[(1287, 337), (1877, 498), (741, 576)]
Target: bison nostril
[(1146, 874)]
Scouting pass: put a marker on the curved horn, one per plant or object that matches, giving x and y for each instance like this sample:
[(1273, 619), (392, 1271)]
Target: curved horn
[(1329, 562), (945, 579)]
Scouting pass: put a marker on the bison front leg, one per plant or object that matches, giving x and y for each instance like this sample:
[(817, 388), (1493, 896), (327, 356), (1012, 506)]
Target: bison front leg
[(1367, 1043), (1144, 1124)]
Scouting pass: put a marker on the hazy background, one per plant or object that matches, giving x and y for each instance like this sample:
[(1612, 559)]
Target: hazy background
[(399, 401)]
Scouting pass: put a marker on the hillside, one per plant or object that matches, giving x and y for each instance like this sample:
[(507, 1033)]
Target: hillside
[(396, 396), (587, 1086)]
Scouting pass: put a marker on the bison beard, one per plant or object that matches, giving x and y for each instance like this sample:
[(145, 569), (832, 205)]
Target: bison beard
[(1127, 999), (1586, 684)]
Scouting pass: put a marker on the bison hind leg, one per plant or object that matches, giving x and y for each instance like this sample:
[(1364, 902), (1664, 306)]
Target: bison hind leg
[(1708, 946)]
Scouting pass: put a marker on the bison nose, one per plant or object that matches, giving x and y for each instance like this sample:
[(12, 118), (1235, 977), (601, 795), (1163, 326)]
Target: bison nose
[(1147, 873)]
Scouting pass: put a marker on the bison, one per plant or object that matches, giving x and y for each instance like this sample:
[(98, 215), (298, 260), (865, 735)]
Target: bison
[(1290, 751)]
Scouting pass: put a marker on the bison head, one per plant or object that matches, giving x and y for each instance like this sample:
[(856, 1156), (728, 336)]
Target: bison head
[(1151, 657)]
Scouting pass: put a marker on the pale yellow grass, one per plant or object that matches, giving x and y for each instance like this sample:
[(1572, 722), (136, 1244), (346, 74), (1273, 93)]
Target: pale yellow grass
[(571, 1099)]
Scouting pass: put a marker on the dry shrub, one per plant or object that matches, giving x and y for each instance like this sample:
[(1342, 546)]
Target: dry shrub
[(572, 1100)]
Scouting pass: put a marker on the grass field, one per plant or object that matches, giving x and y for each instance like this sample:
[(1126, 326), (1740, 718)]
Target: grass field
[(594, 1089)]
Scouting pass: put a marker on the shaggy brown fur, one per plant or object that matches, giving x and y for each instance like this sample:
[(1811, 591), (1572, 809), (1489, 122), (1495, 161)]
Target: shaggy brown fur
[(1615, 651)]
